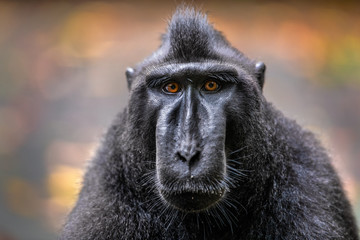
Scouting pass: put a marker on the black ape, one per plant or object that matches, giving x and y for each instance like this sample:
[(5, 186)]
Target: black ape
[(200, 154)]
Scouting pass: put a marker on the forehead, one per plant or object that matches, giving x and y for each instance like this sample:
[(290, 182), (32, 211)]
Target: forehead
[(157, 75), (193, 68)]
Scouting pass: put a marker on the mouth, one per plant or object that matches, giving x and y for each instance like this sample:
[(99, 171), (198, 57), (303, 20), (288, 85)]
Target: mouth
[(193, 200)]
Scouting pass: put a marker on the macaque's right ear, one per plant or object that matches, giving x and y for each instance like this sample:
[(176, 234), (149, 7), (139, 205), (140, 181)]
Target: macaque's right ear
[(260, 73), (129, 76)]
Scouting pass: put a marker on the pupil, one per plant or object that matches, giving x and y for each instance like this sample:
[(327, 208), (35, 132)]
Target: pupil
[(211, 85), (172, 86)]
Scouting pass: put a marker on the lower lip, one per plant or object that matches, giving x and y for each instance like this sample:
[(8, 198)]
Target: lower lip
[(191, 201)]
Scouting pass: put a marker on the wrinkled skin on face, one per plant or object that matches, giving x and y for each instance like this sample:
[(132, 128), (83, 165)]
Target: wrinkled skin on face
[(190, 137), (192, 104)]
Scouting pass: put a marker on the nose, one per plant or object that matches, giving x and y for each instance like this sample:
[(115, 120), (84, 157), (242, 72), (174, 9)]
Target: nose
[(189, 149), (190, 157)]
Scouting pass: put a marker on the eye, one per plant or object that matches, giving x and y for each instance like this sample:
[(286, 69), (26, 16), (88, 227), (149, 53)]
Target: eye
[(172, 87), (211, 86)]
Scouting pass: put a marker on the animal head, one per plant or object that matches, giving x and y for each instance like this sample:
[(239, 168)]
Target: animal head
[(195, 95)]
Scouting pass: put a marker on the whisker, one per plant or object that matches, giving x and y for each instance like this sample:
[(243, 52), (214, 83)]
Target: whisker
[(173, 215), (238, 172), (231, 205), (223, 211), (237, 151), (236, 160)]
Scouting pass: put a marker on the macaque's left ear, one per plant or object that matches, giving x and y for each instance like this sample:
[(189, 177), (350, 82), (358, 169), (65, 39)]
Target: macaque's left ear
[(260, 73), (129, 76)]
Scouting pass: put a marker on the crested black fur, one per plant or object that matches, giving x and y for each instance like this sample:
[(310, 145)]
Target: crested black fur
[(282, 185), (191, 38)]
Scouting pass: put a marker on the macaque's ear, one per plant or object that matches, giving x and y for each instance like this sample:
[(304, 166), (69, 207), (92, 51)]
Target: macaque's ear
[(129, 76), (260, 73)]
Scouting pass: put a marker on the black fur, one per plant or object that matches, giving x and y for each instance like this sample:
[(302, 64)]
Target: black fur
[(278, 182)]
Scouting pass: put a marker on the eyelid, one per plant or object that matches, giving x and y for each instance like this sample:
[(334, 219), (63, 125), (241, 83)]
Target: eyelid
[(158, 82)]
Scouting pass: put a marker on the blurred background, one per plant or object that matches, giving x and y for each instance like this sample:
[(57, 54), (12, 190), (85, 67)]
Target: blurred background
[(62, 81)]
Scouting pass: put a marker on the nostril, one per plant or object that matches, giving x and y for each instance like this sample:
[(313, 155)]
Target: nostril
[(182, 158), (191, 158), (195, 158)]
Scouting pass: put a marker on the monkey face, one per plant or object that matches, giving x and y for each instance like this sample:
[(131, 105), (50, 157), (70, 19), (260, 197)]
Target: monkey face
[(194, 93), (192, 101)]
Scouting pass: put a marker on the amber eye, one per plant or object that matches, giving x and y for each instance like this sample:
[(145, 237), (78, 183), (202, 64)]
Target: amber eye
[(172, 87), (211, 86)]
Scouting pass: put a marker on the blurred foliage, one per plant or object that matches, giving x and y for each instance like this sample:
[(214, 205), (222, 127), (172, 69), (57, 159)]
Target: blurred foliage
[(62, 80), (343, 61)]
